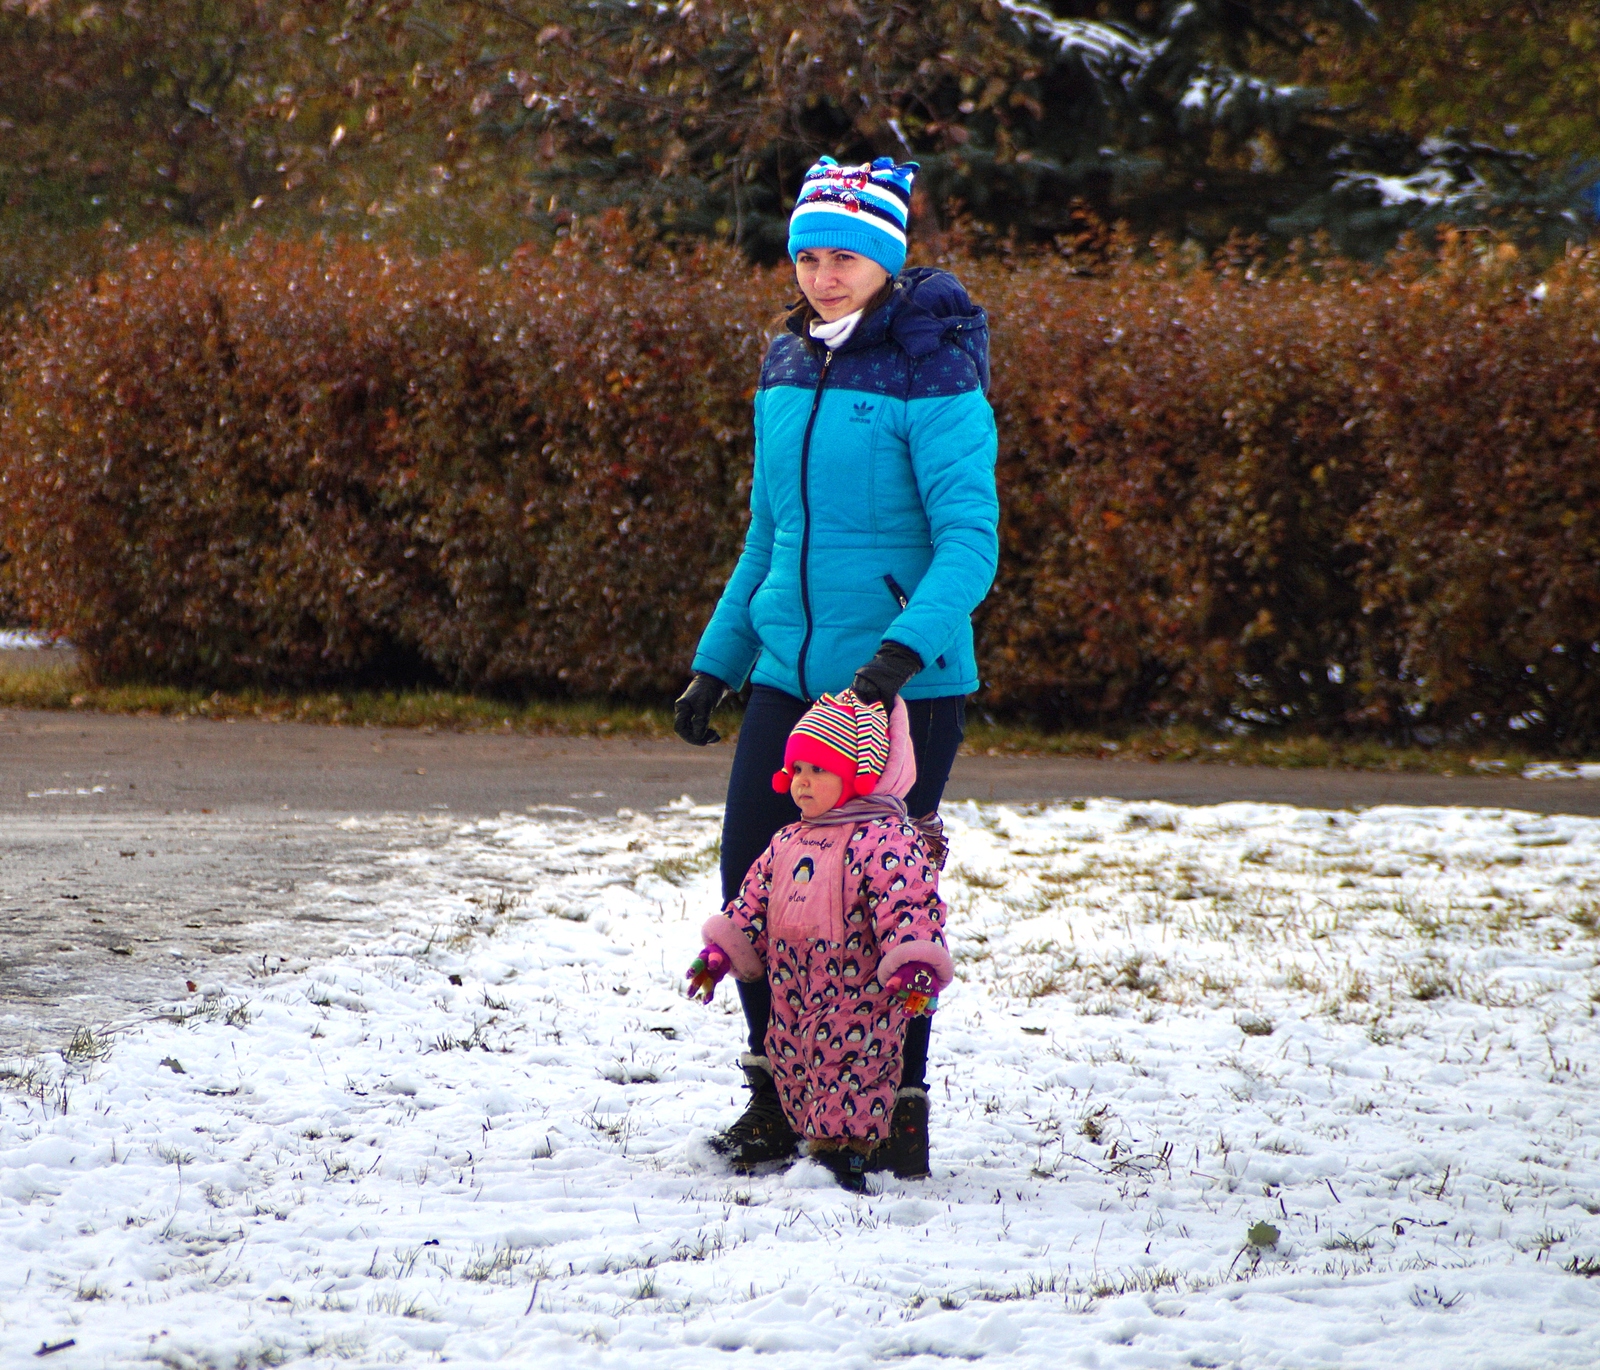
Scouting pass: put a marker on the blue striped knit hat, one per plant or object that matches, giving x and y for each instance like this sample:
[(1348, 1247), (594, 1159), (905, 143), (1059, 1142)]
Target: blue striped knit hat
[(855, 209)]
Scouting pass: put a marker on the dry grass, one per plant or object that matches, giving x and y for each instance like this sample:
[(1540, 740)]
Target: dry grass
[(29, 683), (1275, 933)]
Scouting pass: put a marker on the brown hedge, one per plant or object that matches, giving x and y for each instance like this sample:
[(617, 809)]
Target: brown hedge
[(304, 463), (1357, 499)]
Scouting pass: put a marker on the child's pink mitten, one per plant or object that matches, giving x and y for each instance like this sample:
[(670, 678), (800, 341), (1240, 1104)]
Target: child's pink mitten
[(917, 988), (708, 969)]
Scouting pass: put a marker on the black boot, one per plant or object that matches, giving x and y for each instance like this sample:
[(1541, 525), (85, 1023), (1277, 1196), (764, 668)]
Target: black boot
[(761, 1133), (847, 1166), (906, 1152)]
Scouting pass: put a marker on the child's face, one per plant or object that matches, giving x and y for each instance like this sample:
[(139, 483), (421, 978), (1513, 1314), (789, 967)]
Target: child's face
[(814, 789)]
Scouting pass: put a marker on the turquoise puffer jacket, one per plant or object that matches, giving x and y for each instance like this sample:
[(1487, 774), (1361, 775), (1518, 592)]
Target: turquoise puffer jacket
[(873, 511)]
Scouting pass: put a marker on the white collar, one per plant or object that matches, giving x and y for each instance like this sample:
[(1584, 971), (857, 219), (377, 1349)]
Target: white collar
[(836, 333)]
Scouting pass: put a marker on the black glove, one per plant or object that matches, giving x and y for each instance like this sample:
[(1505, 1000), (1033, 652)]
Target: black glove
[(691, 714), (879, 681)]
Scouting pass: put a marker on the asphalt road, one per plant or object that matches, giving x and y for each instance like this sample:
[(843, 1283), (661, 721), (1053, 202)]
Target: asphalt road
[(139, 854), (72, 764)]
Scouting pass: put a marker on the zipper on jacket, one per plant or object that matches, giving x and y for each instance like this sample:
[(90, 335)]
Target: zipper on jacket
[(904, 601), (805, 521)]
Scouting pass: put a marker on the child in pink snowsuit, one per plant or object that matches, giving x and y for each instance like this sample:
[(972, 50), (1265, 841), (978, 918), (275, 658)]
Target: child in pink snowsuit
[(842, 914)]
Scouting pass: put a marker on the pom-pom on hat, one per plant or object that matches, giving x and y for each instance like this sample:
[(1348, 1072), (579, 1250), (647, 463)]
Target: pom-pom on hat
[(843, 735), (855, 209)]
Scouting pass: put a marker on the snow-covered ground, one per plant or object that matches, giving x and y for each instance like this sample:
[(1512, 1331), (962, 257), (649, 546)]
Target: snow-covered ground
[(1365, 1039)]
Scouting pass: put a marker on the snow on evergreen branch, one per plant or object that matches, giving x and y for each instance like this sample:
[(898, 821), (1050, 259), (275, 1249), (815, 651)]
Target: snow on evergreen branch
[(1218, 92), (1212, 93), (1103, 47), (1450, 178)]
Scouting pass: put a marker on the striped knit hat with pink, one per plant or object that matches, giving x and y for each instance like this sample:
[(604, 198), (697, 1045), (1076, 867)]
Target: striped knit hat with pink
[(842, 735)]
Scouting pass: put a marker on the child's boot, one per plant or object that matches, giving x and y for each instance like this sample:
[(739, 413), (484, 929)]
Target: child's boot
[(847, 1165), (907, 1150), (761, 1133)]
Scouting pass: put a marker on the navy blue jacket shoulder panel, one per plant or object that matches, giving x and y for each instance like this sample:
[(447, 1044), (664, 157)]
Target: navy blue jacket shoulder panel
[(791, 360), (929, 322)]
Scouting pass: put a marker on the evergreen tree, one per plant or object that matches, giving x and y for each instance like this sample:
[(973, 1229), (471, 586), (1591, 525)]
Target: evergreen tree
[(1525, 73), (1505, 93), (484, 122), (1196, 123), (1187, 117), (1171, 115)]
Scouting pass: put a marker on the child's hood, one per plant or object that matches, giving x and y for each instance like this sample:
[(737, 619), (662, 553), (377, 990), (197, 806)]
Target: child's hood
[(900, 771)]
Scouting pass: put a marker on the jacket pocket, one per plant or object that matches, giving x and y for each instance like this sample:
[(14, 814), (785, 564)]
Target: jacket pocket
[(758, 607), (903, 600)]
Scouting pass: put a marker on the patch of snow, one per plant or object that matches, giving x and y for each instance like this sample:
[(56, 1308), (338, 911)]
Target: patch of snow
[(480, 1135), (1562, 770), (21, 639)]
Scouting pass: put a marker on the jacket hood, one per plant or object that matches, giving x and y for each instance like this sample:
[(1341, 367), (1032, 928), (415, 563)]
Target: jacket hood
[(928, 308), (900, 770)]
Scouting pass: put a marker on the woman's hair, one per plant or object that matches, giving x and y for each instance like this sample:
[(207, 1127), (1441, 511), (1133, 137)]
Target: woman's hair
[(802, 314)]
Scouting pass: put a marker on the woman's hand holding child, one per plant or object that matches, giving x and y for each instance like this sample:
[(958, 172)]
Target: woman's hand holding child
[(882, 678), (917, 988), (706, 972)]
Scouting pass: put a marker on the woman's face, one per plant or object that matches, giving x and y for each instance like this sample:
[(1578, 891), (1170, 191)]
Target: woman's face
[(837, 283), (813, 789)]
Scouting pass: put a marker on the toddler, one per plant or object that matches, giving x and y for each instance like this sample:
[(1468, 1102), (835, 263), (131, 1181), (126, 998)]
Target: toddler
[(842, 914)]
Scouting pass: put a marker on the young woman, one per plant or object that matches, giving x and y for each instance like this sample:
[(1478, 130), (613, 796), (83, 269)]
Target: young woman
[(873, 537)]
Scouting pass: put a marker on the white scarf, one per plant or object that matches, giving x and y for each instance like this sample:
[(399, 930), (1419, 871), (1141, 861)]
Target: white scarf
[(835, 334)]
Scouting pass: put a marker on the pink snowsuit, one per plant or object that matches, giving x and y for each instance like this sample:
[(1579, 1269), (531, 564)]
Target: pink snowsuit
[(828, 912)]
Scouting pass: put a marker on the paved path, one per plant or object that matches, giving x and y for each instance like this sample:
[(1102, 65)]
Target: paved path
[(75, 764), (139, 854)]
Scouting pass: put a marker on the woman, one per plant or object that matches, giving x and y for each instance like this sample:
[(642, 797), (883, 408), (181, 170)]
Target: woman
[(873, 537)]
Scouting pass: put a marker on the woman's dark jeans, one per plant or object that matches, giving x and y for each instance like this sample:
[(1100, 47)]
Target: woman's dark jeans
[(756, 811)]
